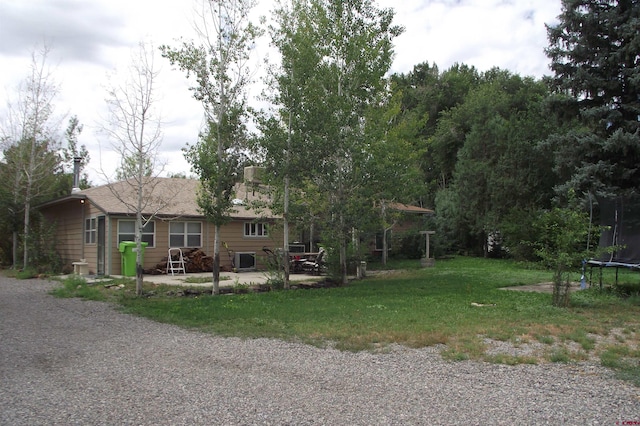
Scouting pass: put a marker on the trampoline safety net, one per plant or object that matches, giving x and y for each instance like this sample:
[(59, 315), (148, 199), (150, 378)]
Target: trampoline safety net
[(620, 218)]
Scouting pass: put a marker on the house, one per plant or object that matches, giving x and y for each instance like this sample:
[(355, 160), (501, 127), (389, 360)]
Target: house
[(90, 224), (406, 220)]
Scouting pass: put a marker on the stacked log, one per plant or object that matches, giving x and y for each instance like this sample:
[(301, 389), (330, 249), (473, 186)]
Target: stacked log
[(195, 260)]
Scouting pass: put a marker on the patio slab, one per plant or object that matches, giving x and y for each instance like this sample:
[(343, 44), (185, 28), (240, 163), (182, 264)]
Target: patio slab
[(227, 279)]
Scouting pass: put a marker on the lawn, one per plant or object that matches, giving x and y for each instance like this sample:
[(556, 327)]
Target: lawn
[(458, 304)]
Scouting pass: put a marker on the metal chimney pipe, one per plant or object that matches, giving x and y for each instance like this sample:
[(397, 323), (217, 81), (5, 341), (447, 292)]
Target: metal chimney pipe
[(76, 174)]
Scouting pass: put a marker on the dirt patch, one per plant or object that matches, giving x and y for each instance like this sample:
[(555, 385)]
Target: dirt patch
[(540, 287)]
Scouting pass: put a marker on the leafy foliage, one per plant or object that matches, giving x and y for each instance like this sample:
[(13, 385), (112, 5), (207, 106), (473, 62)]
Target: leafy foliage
[(499, 168), (334, 58), (31, 162), (561, 245), (219, 65)]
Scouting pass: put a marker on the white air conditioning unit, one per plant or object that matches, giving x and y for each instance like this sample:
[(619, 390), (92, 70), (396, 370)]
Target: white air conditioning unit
[(246, 261)]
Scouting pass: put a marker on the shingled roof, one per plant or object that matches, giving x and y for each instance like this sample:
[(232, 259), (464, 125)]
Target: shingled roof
[(410, 209), (170, 197)]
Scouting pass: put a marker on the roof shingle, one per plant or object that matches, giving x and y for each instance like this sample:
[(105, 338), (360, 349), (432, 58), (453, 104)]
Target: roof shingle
[(168, 197)]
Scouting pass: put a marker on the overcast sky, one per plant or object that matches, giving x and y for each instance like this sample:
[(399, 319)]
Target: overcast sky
[(92, 38)]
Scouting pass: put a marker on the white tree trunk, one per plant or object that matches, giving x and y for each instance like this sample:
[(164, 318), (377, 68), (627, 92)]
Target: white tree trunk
[(216, 261)]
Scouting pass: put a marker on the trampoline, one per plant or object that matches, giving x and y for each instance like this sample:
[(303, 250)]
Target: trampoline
[(620, 219)]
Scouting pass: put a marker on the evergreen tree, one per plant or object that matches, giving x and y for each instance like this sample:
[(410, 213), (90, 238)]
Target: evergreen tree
[(595, 54)]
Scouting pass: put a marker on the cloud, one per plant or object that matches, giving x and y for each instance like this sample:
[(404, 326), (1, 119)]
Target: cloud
[(482, 33), (91, 38), (76, 30)]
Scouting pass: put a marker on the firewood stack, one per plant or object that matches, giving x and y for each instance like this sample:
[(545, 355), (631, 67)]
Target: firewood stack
[(195, 260)]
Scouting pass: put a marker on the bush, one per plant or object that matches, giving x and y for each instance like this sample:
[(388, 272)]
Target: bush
[(411, 246), (562, 236), (25, 274)]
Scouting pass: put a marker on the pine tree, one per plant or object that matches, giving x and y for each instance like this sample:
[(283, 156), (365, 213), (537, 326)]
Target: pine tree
[(595, 54)]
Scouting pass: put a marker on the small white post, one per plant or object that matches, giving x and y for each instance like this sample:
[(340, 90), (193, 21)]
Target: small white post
[(427, 260)]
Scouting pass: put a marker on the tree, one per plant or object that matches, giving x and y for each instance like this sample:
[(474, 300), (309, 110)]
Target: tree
[(427, 94), (30, 148), (129, 168), (351, 44), (561, 245), (283, 145), (135, 128), (221, 70), (75, 158), (498, 167), (594, 55), (392, 166)]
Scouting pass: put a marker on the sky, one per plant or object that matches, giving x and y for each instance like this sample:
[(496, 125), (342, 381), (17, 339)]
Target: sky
[(92, 41)]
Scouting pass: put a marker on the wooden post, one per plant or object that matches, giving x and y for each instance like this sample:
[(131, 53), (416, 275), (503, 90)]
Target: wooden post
[(427, 261)]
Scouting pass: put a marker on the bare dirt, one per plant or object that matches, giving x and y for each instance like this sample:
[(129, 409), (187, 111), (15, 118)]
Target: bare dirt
[(541, 287)]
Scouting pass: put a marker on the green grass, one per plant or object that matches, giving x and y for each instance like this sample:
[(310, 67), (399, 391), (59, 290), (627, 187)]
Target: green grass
[(21, 274), (457, 303), (624, 361), (394, 264), (76, 286)]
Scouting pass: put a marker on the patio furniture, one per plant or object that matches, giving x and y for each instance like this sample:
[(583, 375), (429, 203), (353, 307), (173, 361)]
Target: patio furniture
[(296, 262), (314, 265)]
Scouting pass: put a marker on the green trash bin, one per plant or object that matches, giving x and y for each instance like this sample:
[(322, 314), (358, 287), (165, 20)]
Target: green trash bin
[(128, 257)]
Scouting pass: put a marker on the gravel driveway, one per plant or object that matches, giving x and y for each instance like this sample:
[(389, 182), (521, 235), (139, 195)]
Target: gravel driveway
[(68, 361)]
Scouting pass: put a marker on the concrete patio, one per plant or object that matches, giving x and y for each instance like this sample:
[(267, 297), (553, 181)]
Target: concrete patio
[(227, 279)]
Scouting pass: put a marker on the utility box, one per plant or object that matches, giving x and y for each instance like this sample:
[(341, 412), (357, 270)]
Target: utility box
[(128, 256)]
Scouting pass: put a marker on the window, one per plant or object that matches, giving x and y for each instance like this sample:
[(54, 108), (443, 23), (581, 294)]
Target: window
[(90, 227), (255, 229), (379, 240), (127, 232), (185, 234)]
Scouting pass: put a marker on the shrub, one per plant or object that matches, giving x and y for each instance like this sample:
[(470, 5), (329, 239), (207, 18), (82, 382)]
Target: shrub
[(562, 236)]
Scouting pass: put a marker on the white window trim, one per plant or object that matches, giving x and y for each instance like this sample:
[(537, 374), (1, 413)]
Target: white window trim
[(256, 230), (185, 235), (91, 231), (144, 233)]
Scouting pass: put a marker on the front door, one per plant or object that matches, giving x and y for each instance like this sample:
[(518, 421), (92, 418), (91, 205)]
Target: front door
[(101, 245)]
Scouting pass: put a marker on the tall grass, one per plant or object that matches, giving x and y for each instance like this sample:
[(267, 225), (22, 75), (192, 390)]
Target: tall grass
[(76, 286)]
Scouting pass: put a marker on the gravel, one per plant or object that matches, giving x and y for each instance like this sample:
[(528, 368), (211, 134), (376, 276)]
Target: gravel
[(69, 361)]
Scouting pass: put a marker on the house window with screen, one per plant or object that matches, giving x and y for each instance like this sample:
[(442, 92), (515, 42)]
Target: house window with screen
[(127, 232), (252, 229), (90, 226), (185, 234)]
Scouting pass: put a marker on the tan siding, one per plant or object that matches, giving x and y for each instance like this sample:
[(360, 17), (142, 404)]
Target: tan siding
[(233, 234), (90, 251), (69, 218), (153, 256), (68, 230)]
